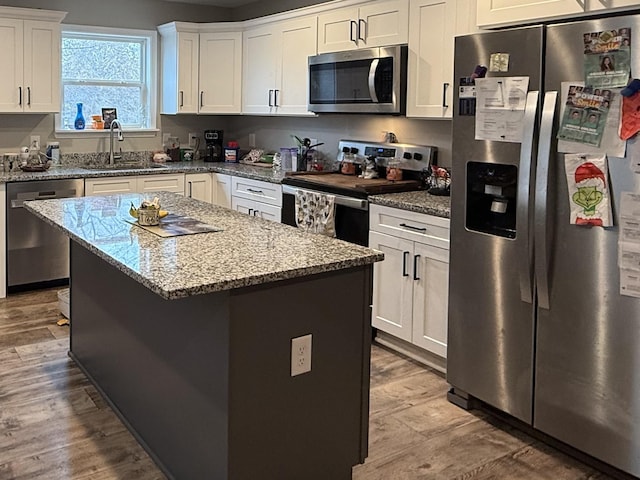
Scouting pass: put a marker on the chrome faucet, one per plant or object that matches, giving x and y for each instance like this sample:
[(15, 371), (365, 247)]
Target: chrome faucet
[(115, 124)]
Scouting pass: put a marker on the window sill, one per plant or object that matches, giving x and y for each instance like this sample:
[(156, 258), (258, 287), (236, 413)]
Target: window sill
[(92, 133)]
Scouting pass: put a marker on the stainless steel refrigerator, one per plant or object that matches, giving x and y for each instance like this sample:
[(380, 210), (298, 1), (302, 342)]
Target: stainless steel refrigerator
[(537, 326)]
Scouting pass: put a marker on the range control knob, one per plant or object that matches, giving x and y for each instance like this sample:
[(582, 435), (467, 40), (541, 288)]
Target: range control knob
[(406, 155), (417, 156), (345, 149), (354, 150)]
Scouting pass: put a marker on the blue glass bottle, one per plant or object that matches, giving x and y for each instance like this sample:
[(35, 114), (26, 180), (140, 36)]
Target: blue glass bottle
[(79, 122)]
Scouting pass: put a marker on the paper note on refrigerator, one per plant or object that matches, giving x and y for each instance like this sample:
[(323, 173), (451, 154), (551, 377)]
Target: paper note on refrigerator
[(610, 142), (500, 104), (629, 244), (588, 188)]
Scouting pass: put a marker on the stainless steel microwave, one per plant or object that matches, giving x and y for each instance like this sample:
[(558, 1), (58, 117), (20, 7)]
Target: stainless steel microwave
[(371, 80)]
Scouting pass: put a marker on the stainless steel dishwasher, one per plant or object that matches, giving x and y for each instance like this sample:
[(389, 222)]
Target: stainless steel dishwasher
[(37, 254)]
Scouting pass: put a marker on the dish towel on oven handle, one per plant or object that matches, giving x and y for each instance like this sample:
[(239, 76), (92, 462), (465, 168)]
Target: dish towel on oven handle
[(315, 212)]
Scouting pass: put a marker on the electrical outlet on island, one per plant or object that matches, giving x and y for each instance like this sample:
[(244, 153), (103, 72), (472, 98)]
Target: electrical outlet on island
[(300, 355)]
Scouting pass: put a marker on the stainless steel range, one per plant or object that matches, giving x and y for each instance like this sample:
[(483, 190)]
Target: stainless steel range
[(351, 192)]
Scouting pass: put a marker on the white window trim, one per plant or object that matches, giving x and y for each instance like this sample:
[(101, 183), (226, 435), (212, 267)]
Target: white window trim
[(153, 83)]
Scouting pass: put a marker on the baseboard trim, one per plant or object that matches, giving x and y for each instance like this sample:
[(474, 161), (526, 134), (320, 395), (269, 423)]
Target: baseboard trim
[(409, 350)]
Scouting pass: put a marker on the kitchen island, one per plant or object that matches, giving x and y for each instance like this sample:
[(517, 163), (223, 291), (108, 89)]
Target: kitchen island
[(189, 338)]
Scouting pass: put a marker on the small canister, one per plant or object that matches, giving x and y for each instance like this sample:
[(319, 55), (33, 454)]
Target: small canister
[(231, 152), (148, 216), (53, 152), (394, 172)]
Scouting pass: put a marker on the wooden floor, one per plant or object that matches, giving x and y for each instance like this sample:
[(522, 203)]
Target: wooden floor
[(54, 425)]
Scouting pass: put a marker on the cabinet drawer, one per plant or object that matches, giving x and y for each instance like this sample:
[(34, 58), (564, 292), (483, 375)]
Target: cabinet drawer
[(419, 227), (265, 192), (109, 185), (156, 183), (257, 209)]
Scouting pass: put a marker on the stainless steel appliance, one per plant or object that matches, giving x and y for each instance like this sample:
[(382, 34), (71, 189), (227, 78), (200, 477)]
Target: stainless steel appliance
[(371, 80), (36, 252), (351, 192), (537, 325), (213, 145)]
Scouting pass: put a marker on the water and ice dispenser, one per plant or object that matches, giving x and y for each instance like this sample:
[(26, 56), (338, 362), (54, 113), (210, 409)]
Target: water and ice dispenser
[(491, 198)]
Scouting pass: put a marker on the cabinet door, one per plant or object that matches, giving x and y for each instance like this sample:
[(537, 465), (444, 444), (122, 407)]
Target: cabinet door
[(188, 57), (338, 30), (11, 58), (220, 76), (199, 186), (497, 13), (383, 23), (430, 70), (430, 271), (158, 183), (222, 190), (260, 55), (392, 285), (256, 209), (593, 5), (110, 185), (298, 40), (41, 67)]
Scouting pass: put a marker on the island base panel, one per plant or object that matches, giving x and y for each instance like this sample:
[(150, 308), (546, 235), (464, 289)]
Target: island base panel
[(204, 382)]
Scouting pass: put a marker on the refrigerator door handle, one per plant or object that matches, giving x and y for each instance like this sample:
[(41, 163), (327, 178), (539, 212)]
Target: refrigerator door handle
[(542, 181), (524, 182)]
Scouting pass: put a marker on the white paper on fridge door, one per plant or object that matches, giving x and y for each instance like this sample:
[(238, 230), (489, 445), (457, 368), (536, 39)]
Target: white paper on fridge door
[(630, 283), (500, 104), (629, 256), (588, 183)]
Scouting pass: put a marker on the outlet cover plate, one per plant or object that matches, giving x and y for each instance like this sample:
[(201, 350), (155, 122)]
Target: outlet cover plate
[(301, 355)]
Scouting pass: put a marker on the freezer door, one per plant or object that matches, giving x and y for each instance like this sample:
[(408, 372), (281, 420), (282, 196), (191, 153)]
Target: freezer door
[(587, 389), (491, 314)]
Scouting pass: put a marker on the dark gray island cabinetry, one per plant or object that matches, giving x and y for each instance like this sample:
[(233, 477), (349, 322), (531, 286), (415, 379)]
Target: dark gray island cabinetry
[(189, 338)]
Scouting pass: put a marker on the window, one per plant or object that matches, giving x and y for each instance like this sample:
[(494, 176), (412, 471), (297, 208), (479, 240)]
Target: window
[(108, 68)]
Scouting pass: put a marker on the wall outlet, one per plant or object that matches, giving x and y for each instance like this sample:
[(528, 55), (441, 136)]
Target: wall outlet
[(35, 142), (300, 355), (252, 140), (193, 139)]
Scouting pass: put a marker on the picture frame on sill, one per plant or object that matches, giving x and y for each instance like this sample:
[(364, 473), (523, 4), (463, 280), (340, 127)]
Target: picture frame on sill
[(108, 115)]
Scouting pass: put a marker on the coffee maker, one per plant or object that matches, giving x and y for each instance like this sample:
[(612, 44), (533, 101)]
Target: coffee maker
[(213, 145)]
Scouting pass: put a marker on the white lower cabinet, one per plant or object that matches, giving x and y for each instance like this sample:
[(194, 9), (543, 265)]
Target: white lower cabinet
[(257, 198), (221, 185), (410, 286), (199, 186)]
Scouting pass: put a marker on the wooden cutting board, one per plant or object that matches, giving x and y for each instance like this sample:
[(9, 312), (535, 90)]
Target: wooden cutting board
[(374, 185)]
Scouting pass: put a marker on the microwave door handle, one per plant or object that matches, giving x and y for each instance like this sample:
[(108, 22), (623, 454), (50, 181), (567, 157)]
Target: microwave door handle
[(372, 80)]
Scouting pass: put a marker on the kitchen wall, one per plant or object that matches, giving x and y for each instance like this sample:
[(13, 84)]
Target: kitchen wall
[(271, 132), (275, 132), (261, 8)]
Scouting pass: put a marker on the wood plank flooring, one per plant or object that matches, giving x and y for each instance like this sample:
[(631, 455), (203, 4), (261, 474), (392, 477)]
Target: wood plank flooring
[(55, 426)]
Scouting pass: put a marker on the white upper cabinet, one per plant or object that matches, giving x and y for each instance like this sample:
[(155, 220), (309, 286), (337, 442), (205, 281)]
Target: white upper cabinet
[(500, 13), (494, 13), (220, 77), (201, 68), (275, 66), (30, 53), (374, 24), (430, 69)]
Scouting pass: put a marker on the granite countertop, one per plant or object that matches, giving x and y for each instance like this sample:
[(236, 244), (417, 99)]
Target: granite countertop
[(248, 251), (146, 168), (418, 201)]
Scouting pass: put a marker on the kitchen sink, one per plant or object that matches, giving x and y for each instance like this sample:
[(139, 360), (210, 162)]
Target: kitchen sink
[(124, 166)]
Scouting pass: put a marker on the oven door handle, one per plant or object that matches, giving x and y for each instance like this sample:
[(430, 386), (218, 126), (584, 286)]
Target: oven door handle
[(357, 203)]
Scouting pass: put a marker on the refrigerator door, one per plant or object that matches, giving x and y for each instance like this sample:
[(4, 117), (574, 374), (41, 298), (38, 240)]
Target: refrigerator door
[(587, 389), (491, 314)]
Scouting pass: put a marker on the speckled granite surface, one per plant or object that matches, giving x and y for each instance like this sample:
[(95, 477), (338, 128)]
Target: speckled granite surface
[(419, 201), (249, 250), (93, 170)]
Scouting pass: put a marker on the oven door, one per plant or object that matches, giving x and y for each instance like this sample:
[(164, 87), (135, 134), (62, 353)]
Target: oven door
[(351, 216)]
